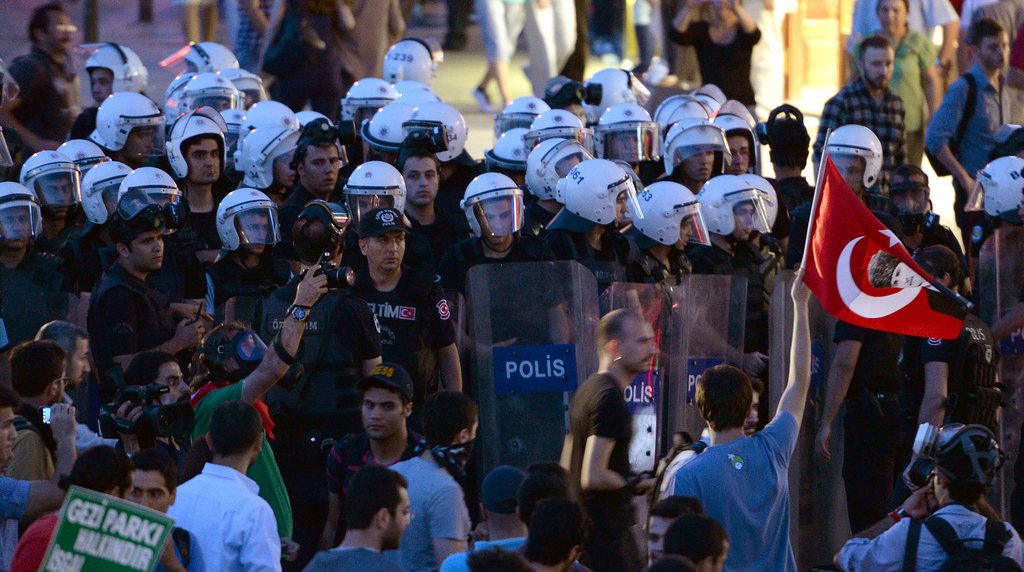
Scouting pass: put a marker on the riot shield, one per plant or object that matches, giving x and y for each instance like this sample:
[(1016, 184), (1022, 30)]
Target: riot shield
[(819, 524), (1000, 284), (531, 330), (706, 329)]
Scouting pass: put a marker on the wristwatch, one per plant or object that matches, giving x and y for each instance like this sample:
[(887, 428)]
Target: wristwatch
[(300, 313)]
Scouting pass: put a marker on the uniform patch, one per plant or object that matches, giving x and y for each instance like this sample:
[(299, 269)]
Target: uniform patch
[(442, 309)]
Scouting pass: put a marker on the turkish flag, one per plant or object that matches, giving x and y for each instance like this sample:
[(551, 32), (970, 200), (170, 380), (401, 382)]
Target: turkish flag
[(862, 274)]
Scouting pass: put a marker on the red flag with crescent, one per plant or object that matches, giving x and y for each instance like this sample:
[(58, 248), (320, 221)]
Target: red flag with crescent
[(862, 274)]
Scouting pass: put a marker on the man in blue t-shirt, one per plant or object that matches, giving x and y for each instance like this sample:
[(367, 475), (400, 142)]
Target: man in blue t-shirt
[(743, 481)]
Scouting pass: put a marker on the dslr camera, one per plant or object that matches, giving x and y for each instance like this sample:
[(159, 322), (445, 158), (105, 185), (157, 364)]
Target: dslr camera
[(338, 277), (157, 420)]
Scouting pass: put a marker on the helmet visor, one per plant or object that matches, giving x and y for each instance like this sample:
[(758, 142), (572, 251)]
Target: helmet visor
[(584, 136), (134, 201), (626, 190), (499, 216), (503, 122), (749, 210), (5, 152), (257, 226), (60, 189), (218, 102), (20, 221), (145, 142), (692, 227), (565, 164), (976, 200), (108, 193), (252, 96), (639, 142), (359, 205)]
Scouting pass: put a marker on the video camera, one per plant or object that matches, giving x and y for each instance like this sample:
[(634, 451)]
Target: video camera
[(427, 135), (157, 420), (573, 92), (345, 131)]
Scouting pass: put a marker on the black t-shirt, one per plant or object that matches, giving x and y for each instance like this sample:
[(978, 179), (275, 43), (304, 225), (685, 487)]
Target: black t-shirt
[(84, 124), (536, 219), (877, 366), (288, 213), (205, 227), (452, 189), (727, 66), (49, 94), (462, 256), (446, 230), (599, 408)]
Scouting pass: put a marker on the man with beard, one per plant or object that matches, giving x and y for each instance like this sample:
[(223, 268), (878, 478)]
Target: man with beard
[(868, 101), (386, 440), (596, 450), (377, 516)]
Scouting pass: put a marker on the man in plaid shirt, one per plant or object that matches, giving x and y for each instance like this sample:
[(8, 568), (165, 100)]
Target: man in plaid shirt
[(868, 101)]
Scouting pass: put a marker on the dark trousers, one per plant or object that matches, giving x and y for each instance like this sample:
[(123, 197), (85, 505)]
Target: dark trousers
[(872, 436), (648, 44), (606, 26), (576, 65), (458, 19), (321, 88), (610, 546)]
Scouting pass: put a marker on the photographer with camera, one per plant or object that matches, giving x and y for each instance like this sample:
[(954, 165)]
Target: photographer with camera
[(946, 523), (340, 346)]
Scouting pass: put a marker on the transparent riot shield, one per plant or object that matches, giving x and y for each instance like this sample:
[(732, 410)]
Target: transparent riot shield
[(531, 330), (707, 327), (1000, 285), (819, 524), (644, 394)]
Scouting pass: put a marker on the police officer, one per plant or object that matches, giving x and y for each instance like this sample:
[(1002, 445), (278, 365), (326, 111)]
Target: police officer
[(87, 256), (494, 208), (672, 220), (264, 158), (546, 164), (910, 202), (56, 181), (695, 151), (417, 330), (318, 403), (126, 315), (247, 225), (595, 193), (130, 128), (34, 288), (420, 168), (457, 167)]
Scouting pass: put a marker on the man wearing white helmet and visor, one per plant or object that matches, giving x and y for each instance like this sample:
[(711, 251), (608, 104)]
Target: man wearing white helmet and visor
[(508, 156), (264, 158), (383, 134), (520, 112), (857, 154), (559, 124), (595, 194), (627, 133), (57, 182), (457, 168), (672, 220), (84, 153), (210, 90), (546, 164), (248, 84), (695, 150), (411, 59), (111, 68), (130, 128), (84, 255)]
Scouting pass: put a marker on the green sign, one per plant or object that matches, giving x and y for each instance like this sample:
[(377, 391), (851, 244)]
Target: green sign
[(101, 532)]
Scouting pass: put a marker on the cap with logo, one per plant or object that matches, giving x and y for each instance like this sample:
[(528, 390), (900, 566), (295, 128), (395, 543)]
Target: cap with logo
[(391, 376), (379, 222)]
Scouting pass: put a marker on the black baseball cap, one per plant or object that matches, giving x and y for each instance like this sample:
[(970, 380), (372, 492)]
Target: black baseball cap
[(380, 221), (389, 376)]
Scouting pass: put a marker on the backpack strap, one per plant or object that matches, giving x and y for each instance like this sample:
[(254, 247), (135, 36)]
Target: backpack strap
[(913, 539), (965, 118), (945, 535), (183, 542), (996, 537)]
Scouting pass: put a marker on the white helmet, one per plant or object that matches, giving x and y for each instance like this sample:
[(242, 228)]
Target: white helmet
[(247, 216), (493, 205), (130, 74), (203, 122), (100, 189), (53, 178), (269, 114), (418, 97), (411, 59), (858, 141), (209, 90), (520, 112), (736, 125), (999, 189), (374, 184), (148, 186), (173, 94), (617, 86), (591, 191), (769, 196), (207, 57), (84, 153), (405, 87), (627, 133), (712, 96), (558, 124), (124, 112), (667, 206), (258, 151), (233, 119), (509, 152), (308, 116), (365, 97), (680, 106), (720, 195), (248, 84), (430, 115), (549, 161), (690, 136), (20, 215), (385, 132)]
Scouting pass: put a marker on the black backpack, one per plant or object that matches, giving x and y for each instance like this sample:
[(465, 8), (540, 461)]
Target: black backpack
[(962, 559), (958, 136)]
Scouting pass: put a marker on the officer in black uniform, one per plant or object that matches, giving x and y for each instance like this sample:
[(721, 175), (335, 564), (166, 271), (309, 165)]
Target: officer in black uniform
[(318, 403), (420, 168), (126, 314), (672, 220), (910, 202)]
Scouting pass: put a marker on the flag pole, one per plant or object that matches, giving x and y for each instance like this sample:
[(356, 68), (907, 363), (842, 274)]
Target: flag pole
[(816, 199)]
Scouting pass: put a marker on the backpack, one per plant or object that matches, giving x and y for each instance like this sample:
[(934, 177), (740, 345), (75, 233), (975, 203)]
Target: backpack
[(962, 559), (690, 446), (958, 136)]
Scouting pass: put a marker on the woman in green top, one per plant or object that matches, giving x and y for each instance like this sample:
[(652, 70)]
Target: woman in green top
[(915, 78)]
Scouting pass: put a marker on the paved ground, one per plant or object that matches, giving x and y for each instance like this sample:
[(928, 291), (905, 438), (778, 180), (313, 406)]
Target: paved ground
[(455, 81)]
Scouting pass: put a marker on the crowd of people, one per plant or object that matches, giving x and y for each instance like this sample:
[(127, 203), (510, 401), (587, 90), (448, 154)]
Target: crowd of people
[(251, 316)]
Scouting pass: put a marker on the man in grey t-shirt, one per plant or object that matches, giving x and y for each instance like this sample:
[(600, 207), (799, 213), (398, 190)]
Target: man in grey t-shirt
[(377, 513), (743, 481)]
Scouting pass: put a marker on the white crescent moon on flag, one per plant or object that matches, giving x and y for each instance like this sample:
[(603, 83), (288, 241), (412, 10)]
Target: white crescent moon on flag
[(866, 305)]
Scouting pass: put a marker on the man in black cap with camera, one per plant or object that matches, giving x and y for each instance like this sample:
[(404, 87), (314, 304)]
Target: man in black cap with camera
[(128, 316), (385, 440), (417, 330)]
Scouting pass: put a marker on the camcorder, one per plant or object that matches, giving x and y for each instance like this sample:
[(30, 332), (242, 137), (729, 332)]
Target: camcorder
[(574, 92), (345, 131), (430, 135), (157, 420)]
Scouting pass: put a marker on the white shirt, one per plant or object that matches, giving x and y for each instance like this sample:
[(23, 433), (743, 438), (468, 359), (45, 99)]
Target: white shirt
[(235, 528), (886, 551)]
